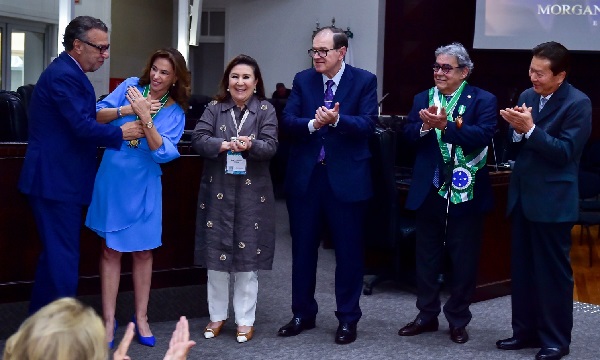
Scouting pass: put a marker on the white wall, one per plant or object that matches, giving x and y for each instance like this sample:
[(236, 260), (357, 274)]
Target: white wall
[(99, 9), (35, 10), (277, 33)]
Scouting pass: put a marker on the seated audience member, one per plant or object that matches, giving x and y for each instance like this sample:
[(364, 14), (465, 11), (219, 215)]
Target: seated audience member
[(281, 92), (67, 329)]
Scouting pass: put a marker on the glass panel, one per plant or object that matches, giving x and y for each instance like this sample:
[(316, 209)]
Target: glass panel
[(204, 24), (217, 23), (26, 58)]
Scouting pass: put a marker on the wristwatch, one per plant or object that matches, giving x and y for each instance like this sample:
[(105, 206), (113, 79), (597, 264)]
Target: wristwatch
[(150, 124)]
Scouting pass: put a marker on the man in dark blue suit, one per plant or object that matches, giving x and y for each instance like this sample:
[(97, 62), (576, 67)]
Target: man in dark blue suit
[(549, 130), (60, 163), (329, 117), (451, 126)]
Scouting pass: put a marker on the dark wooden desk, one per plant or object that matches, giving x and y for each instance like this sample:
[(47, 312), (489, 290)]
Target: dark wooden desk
[(493, 277), (173, 261)]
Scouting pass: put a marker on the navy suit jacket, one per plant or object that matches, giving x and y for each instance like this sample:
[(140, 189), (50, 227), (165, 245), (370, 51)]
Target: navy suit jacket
[(479, 125), (544, 177), (346, 145), (60, 163)]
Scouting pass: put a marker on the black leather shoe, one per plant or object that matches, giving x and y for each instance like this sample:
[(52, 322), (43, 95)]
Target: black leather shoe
[(459, 335), (418, 327), (513, 343), (295, 326), (551, 353), (346, 333)]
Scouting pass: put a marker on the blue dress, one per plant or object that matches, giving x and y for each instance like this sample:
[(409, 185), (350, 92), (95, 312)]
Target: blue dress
[(126, 207)]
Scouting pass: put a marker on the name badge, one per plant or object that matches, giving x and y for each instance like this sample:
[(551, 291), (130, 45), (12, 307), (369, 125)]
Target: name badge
[(236, 164)]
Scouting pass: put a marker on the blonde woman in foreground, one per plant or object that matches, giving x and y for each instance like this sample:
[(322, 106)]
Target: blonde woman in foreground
[(66, 329)]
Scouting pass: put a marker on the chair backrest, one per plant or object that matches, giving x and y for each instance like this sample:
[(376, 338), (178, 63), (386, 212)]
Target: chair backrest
[(589, 184), (13, 117)]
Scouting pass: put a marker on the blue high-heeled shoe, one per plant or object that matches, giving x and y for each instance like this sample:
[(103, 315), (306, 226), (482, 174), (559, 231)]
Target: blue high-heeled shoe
[(111, 344), (144, 340)]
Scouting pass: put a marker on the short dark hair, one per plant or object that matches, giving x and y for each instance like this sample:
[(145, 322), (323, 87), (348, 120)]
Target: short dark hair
[(78, 28), (241, 59), (180, 92), (559, 57), (339, 36)]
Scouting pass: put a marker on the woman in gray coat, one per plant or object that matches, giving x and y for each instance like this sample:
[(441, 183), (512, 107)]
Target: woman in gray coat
[(235, 223)]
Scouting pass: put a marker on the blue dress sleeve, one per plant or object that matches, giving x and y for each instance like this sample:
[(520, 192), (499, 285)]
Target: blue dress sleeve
[(169, 122)]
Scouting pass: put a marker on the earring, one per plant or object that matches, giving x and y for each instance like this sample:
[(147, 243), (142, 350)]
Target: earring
[(173, 84), (255, 90), (227, 89)]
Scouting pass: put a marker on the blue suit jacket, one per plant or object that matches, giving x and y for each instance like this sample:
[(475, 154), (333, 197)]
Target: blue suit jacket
[(60, 163), (346, 145), (479, 125), (545, 173)]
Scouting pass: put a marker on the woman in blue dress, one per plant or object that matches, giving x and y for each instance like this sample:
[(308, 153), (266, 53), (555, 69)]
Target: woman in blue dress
[(126, 207)]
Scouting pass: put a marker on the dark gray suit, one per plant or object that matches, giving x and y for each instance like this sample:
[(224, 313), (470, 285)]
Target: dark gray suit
[(543, 205)]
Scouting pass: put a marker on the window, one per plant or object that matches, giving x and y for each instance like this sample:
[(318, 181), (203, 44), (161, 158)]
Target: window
[(24, 52)]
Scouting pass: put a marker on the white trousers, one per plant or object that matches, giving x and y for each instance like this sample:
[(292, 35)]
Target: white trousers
[(245, 292)]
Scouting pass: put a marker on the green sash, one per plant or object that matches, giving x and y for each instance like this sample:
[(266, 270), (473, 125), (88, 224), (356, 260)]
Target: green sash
[(464, 166)]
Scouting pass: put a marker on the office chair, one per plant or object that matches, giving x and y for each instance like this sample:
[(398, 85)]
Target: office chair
[(589, 210)]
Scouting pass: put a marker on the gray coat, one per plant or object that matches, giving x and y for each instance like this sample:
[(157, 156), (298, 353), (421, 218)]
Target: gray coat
[(235, 221)]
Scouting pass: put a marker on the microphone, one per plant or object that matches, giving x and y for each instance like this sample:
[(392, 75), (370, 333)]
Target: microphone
[(494, 152), (379, 104), (383, 98)]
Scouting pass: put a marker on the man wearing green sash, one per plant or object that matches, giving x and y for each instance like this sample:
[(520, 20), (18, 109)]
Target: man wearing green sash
[(450, 126)]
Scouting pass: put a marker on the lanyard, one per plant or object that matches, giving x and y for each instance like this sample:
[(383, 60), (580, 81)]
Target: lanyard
[(238, 128)]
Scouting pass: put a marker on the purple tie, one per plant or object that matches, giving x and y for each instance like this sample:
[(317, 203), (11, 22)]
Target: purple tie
[(328, 98), (328, 102)]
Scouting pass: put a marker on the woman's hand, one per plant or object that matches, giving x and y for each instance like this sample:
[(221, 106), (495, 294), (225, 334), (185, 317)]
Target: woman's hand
[(241, 143), (140, 105), (180, 343), (121, 352)]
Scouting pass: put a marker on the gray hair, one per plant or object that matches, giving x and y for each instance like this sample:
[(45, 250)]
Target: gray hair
[(458, 50)]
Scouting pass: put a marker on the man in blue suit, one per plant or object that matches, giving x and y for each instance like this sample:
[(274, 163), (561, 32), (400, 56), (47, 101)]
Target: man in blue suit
[(329, 117), (549, 130), (60, 163), (451, 125)]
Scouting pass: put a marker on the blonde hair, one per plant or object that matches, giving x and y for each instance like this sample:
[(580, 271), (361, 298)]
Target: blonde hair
[(63, 330)]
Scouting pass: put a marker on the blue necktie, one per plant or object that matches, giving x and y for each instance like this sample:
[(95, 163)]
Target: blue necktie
[(328, 102), (543, 102)]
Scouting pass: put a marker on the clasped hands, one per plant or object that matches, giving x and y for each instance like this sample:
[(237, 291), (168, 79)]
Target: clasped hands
[(239, 144), (143, 107), (519, 118), (433, 120), (325, 116)]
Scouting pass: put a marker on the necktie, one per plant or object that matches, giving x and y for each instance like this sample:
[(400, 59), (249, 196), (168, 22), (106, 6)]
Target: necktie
[(543, 101), (328, 98), (328, 102)]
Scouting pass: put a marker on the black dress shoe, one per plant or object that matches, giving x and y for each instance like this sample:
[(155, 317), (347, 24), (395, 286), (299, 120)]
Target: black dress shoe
[(551, 353), (346, 333), (514, 343), (418, 327), (459, 335), (295, 326)]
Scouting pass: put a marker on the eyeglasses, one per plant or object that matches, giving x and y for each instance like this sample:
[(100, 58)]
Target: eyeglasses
[(321, 52), (101, 48), (445, 68)]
